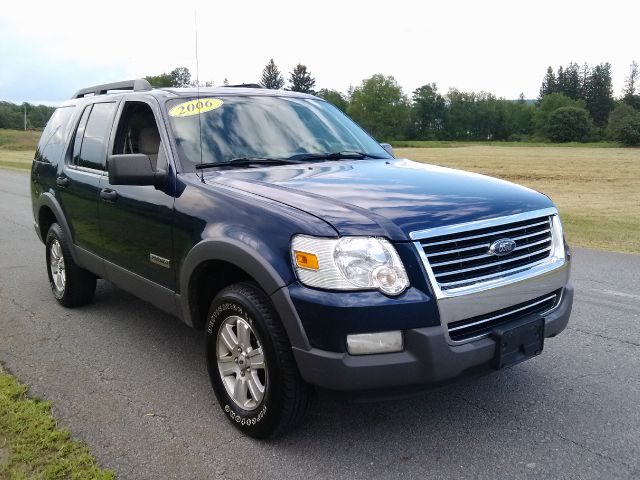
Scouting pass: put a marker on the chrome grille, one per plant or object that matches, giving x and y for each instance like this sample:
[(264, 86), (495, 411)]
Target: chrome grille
[(481, 326), (462, 258)]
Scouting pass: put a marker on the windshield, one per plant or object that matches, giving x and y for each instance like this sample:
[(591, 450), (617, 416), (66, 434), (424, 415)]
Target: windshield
[(235, 127)]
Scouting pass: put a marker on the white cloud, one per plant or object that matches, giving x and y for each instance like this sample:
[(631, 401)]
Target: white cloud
[(48, 50)]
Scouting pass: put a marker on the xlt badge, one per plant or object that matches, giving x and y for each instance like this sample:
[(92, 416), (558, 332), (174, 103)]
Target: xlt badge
[(163, 262)]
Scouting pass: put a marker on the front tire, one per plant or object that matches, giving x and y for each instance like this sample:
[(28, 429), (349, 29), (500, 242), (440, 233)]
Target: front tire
[(251, 366), (72, 286)]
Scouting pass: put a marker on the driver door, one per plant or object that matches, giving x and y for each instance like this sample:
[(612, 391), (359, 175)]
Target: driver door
[(136, 221)]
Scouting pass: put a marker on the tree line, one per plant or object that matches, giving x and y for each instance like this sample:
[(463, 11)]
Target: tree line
[(575, 103), (13, 115)]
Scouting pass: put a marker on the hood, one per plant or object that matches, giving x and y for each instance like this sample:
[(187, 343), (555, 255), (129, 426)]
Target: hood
[(385, 198)]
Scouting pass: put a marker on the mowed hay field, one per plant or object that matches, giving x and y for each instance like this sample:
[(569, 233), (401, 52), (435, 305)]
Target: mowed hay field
[(597, 190), (17, 148)]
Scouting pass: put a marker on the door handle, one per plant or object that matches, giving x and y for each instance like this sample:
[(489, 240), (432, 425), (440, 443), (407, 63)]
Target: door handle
[(108, 195), (62, 181)]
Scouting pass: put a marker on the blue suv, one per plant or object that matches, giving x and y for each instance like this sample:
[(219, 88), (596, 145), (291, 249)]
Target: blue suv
[(308, 254)]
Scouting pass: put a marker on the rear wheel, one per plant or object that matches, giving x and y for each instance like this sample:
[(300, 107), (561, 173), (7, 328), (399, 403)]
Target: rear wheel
[(251, 366), (71, 285)]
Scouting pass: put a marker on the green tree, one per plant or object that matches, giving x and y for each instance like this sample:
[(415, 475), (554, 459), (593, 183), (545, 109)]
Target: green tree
[(181, 77), (459, 115), (624, 123), (547, 106), (519, 119), (334, 97), (428, 110), (12, 115), (300, 80), (380, 106), (162, 80), (570, 85), (176, 78), (630, 132), (630, 94), (599, 94), (568, 124), (271, 76), (549, 84)]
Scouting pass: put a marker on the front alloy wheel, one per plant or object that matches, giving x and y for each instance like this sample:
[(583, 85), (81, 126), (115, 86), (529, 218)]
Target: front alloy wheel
[(251, 365), (241, 363)]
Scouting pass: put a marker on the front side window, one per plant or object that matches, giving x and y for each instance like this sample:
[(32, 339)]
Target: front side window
[(138, 133), (263, 126)]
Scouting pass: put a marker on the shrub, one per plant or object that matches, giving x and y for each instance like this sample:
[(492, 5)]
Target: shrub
[(569, 124), (624, 125)]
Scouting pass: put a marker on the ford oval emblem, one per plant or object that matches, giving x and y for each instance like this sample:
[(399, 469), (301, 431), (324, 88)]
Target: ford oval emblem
[(502, 247)]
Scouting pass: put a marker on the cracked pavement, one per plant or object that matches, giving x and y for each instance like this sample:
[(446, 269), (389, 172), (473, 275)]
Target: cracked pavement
[(130, 381)]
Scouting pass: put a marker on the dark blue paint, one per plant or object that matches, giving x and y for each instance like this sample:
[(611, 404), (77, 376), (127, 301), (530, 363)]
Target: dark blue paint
[(387, 198)]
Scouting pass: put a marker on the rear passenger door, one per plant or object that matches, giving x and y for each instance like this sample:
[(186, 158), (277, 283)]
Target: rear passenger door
[(136, 221), (79, 175)]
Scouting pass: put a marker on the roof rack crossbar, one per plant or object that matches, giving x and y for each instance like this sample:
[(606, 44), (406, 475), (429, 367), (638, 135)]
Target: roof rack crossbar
[(138, 85)]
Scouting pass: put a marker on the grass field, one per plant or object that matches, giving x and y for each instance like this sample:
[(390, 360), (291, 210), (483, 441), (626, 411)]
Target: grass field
[(18, 140), (31, 444), (595, 186), (450, 144), (17, 147), (597, 190)]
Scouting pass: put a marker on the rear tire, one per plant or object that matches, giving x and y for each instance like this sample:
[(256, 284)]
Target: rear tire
[(251, 365), (72, 286)]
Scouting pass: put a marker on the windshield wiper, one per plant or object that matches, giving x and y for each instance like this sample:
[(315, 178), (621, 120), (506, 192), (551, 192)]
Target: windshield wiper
[(344, 155), (240, 161)]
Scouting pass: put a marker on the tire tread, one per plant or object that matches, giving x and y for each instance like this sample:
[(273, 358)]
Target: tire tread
[(298, 395)]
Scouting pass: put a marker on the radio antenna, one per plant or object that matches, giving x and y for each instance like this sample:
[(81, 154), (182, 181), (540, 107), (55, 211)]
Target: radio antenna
[(198, 105)]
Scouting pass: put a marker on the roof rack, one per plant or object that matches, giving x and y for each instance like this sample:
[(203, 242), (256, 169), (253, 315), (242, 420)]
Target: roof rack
[(245, 85), (138, 85)]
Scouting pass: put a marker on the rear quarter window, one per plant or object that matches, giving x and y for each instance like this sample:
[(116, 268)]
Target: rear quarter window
[(54, 136)]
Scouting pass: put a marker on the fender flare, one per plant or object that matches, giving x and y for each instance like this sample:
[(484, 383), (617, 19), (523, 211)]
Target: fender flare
[(255, 265), (234, 252), (47, 199), (231, 251)]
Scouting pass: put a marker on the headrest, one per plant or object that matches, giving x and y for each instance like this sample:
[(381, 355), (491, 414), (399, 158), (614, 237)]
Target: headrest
[(149, 141)]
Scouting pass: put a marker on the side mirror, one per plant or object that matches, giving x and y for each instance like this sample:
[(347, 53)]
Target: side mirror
[(388, 148), (134, 169)]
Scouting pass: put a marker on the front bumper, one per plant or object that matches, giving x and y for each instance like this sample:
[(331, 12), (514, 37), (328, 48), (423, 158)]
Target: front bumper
[(428, 358)]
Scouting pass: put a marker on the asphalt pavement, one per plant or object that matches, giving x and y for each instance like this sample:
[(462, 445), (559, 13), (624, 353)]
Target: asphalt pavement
[(131, 382)]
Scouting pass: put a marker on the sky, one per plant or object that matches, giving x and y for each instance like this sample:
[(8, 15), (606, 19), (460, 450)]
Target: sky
[(48, 50)]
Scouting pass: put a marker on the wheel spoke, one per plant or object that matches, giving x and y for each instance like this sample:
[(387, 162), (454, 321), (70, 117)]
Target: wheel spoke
[(255, 387), (243, 334), (227, 366), (228, 337), (257, 358), (55, 249), (240, 391)]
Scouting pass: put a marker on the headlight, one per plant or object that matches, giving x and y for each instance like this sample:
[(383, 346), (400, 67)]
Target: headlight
[(349, 263)]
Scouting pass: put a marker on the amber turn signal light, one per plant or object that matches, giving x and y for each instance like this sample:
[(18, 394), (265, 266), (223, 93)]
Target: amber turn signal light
[(306, 260)]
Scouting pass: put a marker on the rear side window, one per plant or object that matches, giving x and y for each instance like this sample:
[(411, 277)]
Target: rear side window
[(52, 141), (93, 148)]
